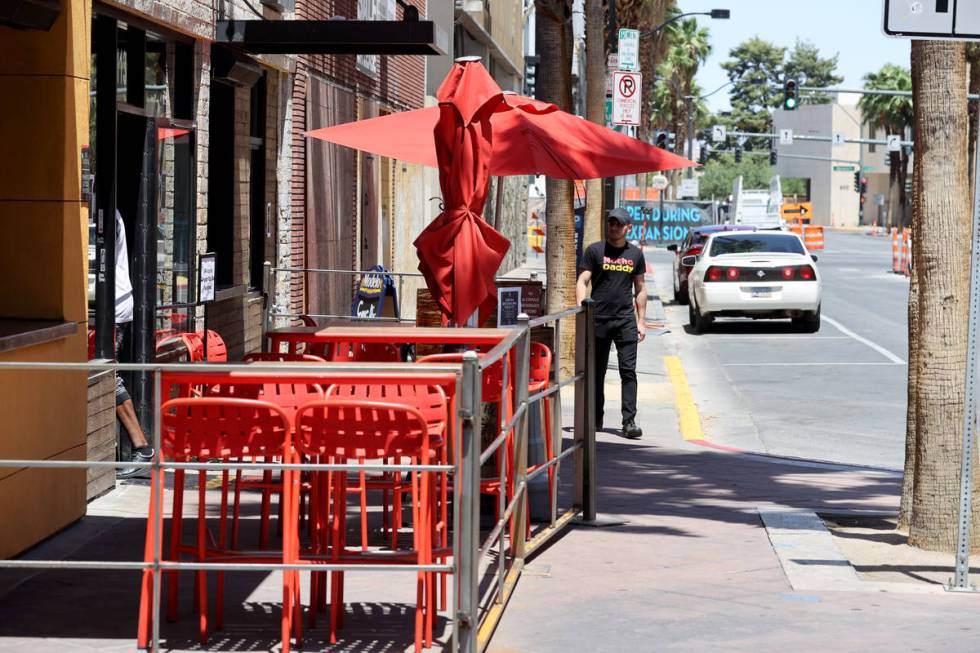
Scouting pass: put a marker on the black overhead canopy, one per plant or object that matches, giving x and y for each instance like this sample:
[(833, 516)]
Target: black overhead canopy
[(335, 36)]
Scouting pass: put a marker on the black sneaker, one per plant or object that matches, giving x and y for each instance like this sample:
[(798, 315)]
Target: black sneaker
[(631, 430), (139, 456)]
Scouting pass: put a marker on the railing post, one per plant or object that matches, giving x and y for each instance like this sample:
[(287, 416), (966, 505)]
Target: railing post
[(521, 373), (268, 288), (554, 405), (585, 485), (467, 510)]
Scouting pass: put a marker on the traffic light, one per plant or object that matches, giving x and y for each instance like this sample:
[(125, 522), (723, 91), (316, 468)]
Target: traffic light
[(772, 157), (738, 154), (530, 73), (863, 187), (660, 140), (857, 182), (671, 141), (791, 95), (703, 154)]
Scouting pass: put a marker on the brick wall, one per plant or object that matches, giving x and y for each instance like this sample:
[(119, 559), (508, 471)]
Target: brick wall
[(399, 85)]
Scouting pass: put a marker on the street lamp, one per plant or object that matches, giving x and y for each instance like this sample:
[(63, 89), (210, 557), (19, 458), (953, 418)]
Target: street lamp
[(717, 14)]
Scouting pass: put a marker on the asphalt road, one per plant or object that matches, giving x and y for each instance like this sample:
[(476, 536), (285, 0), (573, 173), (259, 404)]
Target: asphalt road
[(836, 395)]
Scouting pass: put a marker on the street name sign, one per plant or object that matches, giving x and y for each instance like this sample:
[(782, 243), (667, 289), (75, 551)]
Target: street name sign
[(785, 136), (937, 19), (843, 168), (718, 133), (629, 49), (626, 98), (659, 182)]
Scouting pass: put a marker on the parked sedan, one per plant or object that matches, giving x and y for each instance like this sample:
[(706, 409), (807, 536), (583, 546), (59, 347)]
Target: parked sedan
[(762, 274), (691, 246)]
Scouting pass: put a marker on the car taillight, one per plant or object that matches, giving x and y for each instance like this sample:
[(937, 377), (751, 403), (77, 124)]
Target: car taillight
[(694, 250), (807, 273), (714, 274), (732, 274), (789, 273)]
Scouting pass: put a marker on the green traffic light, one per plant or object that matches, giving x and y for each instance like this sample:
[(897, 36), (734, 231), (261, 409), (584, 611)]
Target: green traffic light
[(790, 103)]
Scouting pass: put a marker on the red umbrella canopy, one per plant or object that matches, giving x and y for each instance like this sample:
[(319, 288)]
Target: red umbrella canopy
[(459, 253), (530, 137), (475, 132)]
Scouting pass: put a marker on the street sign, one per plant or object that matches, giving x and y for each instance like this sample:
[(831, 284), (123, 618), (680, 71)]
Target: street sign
[(629, 49), (943, 19), (718, 133), (626, 98), (894, 142), (785, 136), (838, 138), (689, 188), (843, 168), (797, 212), (659, 182)]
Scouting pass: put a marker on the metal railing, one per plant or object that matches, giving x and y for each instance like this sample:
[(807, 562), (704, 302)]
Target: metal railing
[(472, 626)]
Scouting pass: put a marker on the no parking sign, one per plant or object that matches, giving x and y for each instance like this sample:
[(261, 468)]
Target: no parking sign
[(626, 97)]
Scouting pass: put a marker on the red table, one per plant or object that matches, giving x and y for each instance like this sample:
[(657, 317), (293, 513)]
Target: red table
[(385, 335)]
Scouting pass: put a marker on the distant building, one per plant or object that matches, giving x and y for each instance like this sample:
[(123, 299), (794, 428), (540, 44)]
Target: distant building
[(828, 169)]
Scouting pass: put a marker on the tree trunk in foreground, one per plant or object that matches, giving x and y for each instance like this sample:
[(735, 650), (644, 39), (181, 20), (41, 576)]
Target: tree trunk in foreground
[(908, 478), (942, 226), (595, 109), (554, 45)]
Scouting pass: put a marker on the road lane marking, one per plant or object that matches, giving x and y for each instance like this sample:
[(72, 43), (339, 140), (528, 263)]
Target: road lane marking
[(800, 337), (687, 410), (878, 348), (808, 364)]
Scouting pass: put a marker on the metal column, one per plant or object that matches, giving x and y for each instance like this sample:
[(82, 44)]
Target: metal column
[(105, 187), (961, 581), (585, 486), (467, 510)]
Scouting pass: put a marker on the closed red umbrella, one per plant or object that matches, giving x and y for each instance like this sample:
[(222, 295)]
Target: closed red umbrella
[(459, 253), (475, 132)]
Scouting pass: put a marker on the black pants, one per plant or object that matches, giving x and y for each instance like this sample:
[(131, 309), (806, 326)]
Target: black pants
[(625, 335)]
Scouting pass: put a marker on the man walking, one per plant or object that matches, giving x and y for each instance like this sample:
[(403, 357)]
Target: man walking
[(616, 268)]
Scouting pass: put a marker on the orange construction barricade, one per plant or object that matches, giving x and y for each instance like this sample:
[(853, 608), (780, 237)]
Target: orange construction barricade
[(813, 237), (896, 260)]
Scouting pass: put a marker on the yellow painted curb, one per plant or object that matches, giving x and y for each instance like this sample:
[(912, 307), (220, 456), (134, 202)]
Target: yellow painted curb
[(687, 412)]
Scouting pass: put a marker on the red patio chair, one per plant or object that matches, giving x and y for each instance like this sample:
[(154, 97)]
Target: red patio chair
[(347, 430), (204, 428)]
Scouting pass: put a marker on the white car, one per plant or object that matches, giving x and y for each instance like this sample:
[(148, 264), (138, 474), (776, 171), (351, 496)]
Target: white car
[(759, 274)]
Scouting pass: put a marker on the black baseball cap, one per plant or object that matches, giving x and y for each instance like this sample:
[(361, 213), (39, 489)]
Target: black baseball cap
[(619, 214)]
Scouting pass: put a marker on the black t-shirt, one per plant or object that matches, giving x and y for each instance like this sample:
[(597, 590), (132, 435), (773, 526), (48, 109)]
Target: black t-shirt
[(613, 269)]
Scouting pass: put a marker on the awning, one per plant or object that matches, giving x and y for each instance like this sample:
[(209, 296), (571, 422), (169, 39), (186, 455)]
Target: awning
[(337, 36)]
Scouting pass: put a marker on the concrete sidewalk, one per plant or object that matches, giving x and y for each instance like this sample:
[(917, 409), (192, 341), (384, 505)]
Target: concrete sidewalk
[(720, 550)]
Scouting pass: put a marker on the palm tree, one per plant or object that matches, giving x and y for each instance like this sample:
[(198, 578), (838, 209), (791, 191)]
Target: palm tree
[(689, 48), (942, 224), (894, 115), (554, 84)]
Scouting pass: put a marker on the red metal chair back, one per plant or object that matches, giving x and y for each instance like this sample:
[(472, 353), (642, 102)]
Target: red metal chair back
[(351, 428), (428, 399), (540, 370), (219, 427), (492, 377), (195, 346), (217, 351)]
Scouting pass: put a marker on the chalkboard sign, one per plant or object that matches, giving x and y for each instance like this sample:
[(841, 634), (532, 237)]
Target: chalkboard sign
[(376, 295), (207, 264), (508, 306)]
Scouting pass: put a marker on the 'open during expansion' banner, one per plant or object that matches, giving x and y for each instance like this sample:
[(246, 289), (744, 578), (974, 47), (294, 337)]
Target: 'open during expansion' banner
[(669, 225)]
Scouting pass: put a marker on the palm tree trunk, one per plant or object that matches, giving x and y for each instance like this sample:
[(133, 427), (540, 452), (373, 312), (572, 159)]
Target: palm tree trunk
[(595, 110), (911, 414), (942, 225), (554, 45)]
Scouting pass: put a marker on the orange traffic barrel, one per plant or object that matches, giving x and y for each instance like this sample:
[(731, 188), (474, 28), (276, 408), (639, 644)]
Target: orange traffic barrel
[(813, 237), (896, 260)]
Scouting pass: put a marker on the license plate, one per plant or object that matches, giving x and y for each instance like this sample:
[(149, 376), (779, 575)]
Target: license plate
[(761, 292)]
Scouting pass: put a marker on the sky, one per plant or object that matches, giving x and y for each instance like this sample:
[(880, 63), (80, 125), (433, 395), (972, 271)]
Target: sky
[(851, 28)]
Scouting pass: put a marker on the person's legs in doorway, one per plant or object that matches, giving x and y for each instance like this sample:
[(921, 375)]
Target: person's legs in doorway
[(602, 345), (626, 342), (142, 451)]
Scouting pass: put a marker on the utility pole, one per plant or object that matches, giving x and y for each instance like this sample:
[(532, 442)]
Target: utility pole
[(689, 105)]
